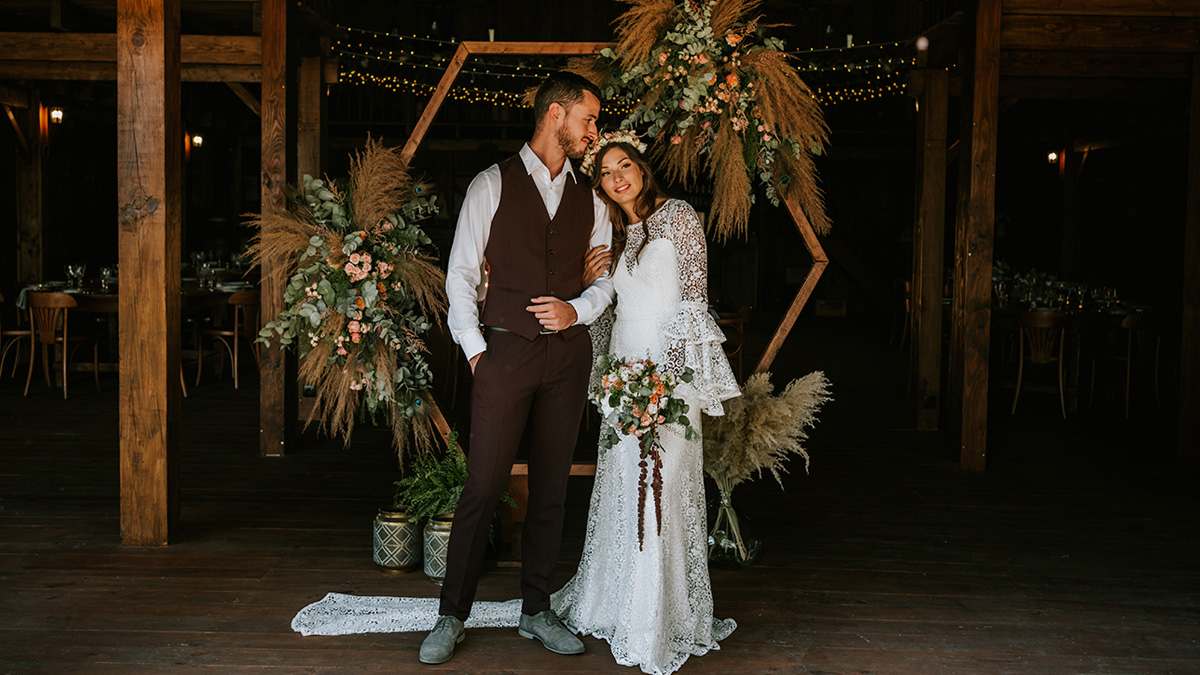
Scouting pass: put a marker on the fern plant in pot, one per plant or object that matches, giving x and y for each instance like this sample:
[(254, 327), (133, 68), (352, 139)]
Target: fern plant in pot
[(430, 493)]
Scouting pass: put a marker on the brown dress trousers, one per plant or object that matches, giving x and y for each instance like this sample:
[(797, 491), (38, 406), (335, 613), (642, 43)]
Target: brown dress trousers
[(525, 378)]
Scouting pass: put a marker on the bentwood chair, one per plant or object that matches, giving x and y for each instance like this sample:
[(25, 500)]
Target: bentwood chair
[(1042, 335), (11, 338), (733, 324), (50, 326), (1120, 349), (245, 318)]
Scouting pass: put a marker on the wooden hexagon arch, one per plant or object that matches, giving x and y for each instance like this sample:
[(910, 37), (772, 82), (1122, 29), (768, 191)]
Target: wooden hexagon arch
[(464, 52)]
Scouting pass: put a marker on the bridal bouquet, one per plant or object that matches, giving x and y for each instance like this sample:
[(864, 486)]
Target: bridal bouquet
[(640, 398)]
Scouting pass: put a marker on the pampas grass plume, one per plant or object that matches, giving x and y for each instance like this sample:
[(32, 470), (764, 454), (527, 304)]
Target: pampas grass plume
[(760, 431)]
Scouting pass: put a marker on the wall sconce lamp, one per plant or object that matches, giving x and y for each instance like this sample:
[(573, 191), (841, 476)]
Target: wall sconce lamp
[(1052, 157), (197, 140), (56, 115)]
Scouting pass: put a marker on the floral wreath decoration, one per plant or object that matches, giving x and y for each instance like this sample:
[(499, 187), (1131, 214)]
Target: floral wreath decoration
[(718, 94), (360, 293), (626, 136)]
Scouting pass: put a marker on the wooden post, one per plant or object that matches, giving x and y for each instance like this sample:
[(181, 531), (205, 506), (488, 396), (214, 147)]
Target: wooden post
[(974, 229), (149, 187), (277, 395), (1189, 353), (30, 208), (309, 103), (928, 245)]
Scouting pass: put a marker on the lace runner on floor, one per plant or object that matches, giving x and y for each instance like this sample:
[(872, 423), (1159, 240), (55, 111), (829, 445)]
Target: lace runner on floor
[(341, 614)]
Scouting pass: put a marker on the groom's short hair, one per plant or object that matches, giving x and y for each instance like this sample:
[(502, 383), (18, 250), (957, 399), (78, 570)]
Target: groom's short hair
[(564, 88)]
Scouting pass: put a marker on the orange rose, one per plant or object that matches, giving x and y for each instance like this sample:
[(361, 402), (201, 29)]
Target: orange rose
[(359, 302), (731, 79)]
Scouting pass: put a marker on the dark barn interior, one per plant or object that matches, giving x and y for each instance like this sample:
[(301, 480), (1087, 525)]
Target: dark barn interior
[(966, 510)]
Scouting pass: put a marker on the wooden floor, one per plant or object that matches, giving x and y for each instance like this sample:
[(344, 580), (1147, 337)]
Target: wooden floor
[(1078, 551)]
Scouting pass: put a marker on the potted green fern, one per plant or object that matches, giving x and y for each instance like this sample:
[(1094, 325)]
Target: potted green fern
[(430, 492)]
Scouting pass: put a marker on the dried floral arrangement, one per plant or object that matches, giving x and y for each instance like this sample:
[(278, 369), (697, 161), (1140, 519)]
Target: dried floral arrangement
[(718, 94), (759, 430), (360, 295)]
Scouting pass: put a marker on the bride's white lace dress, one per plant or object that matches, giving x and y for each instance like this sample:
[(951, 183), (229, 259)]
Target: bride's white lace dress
[(654, 606)]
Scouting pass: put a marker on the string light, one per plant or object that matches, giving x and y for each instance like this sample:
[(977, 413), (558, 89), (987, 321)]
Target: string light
[(870, 78)]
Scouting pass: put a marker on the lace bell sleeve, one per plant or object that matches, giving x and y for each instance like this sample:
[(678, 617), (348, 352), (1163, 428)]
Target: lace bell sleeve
[(693, 337)]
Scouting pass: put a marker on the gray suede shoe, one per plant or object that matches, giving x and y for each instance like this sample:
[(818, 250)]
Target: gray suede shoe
[(547, 627), (438, 647)]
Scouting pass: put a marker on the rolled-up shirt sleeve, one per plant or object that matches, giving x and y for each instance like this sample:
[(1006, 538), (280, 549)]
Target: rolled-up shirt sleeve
[(595, 298), (464, 273)]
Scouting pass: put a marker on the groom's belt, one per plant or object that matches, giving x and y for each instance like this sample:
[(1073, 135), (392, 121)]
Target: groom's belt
[(498, 329)]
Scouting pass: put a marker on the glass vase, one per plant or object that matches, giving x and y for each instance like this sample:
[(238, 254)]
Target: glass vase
[(731, 542)]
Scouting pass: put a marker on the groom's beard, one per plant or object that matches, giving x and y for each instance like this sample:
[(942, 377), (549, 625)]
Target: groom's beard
[(569, 145)]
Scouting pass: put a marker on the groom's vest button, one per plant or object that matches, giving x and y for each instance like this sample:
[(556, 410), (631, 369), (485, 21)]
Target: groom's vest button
[(551, 272), (551, 251), (552, 232)]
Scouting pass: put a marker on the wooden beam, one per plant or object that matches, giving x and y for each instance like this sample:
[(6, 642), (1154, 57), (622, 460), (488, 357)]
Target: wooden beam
[(309, 103), (820, 261), (29, 194), (102, 47), (150, 188), (1189, 353), (535, 48), (1027, 63), (95, 71), (928, 254), (1101, 33), (16, 127), (435, 102), (251, 102), (1105, 7), (974, 228), (278, 404)]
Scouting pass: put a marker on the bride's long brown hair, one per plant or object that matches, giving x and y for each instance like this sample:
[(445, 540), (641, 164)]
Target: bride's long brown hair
[(646, 202)]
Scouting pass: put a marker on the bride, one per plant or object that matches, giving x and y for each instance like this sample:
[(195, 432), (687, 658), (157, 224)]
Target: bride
[(652, 603)]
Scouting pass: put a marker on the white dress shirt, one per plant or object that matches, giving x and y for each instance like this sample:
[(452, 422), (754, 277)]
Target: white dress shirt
[(465, 285)]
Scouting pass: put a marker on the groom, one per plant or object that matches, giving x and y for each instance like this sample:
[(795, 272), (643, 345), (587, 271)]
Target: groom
[(527, 222)]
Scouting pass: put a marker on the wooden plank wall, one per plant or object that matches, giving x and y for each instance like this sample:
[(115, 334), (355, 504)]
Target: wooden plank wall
[(277, 403), (974, 229), (149, 186)]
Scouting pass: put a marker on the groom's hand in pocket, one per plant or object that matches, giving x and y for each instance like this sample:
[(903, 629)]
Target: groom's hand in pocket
[(552, 313), (473, 361)]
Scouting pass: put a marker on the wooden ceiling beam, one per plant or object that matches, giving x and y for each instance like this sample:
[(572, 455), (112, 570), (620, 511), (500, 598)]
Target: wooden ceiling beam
[(1100, 33), (1105, 7), (1025, 63), (102, 47), (94, 71)]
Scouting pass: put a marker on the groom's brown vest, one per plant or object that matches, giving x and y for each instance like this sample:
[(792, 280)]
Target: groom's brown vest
[(530, 254)]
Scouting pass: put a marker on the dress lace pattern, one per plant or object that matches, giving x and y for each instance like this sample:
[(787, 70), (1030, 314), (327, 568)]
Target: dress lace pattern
[(653, 606)]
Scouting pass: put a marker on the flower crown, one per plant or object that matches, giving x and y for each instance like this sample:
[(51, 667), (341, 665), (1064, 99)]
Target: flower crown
[(626, 136)]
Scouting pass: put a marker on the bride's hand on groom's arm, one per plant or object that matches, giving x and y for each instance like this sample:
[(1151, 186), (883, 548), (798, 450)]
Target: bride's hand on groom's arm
[(552, 313), (595, 264)]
